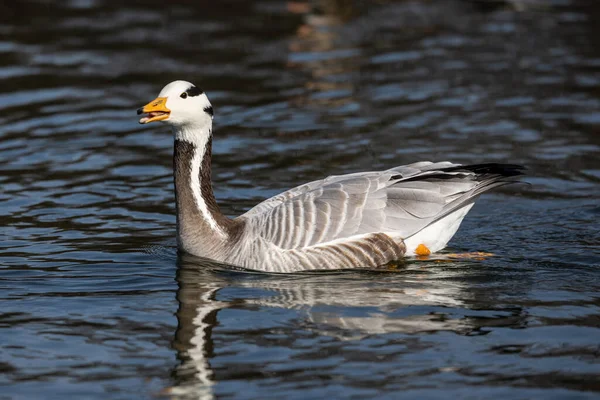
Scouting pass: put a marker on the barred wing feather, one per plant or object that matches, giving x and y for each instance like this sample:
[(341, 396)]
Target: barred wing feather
[(400, 201)]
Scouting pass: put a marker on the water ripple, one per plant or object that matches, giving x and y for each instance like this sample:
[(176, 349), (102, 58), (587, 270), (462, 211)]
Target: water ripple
[(96, 301)]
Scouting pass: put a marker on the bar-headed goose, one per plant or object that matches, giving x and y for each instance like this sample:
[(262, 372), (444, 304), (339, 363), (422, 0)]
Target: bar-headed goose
[(359, 220)]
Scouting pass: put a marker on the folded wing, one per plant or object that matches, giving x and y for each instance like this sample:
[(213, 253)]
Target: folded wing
[(400, 202)]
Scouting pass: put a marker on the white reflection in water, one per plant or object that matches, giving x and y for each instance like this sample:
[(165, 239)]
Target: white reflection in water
[(323, 301)]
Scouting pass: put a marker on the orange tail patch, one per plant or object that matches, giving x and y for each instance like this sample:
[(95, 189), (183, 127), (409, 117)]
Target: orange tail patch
[(422, 250)]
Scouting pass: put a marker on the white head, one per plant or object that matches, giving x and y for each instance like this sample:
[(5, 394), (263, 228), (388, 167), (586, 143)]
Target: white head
[(183, 106)]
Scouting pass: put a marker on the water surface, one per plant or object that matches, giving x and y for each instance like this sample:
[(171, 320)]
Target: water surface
[(96, 303)]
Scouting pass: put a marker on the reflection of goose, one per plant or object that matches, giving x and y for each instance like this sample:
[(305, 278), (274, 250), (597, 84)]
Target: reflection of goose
[(366, 219), (197, 315), (338, 306), (325, 304)]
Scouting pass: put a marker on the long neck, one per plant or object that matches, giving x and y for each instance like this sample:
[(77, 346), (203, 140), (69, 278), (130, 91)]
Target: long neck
[(200, 223)]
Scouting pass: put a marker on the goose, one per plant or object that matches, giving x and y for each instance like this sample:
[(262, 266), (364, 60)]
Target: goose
[(358, 220)]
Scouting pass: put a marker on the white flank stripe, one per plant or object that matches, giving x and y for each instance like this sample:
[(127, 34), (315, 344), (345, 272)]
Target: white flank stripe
[(310, 229)]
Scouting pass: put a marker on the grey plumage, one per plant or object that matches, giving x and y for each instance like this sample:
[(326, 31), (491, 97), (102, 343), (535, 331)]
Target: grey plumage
[(322, 224), (366, 219), (359, 220)]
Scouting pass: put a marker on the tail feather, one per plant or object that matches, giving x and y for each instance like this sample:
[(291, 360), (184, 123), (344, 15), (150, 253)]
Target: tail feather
[(488, 176), (504, 170)]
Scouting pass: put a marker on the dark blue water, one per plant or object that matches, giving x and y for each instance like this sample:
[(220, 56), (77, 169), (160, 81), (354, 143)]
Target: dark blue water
[(94, 300)]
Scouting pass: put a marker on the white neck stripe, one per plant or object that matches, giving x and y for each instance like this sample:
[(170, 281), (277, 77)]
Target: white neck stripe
[(200, 142)]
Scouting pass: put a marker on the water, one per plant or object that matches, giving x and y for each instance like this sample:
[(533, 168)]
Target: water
[(94, 301)]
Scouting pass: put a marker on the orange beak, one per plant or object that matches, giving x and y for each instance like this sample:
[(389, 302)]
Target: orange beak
[(156, 110)]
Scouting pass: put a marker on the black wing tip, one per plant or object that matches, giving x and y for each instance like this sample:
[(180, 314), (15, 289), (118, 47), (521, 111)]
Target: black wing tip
[(505, 170)]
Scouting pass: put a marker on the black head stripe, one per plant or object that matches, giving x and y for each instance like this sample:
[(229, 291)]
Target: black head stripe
[(194, 91), (209, 110)]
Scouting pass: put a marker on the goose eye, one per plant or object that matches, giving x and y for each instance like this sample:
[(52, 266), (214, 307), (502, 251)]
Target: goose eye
[(183, 95)]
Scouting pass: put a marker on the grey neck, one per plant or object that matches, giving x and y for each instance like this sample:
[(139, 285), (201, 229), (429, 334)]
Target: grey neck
[(200, 223)]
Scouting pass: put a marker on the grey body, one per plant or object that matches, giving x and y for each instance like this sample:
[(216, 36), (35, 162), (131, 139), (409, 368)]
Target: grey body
[(360, 220)]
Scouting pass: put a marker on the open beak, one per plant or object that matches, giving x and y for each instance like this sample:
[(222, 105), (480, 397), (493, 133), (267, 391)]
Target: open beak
[(156, 110)]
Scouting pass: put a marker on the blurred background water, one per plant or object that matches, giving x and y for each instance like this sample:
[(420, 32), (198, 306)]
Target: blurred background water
[(95, 302)]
